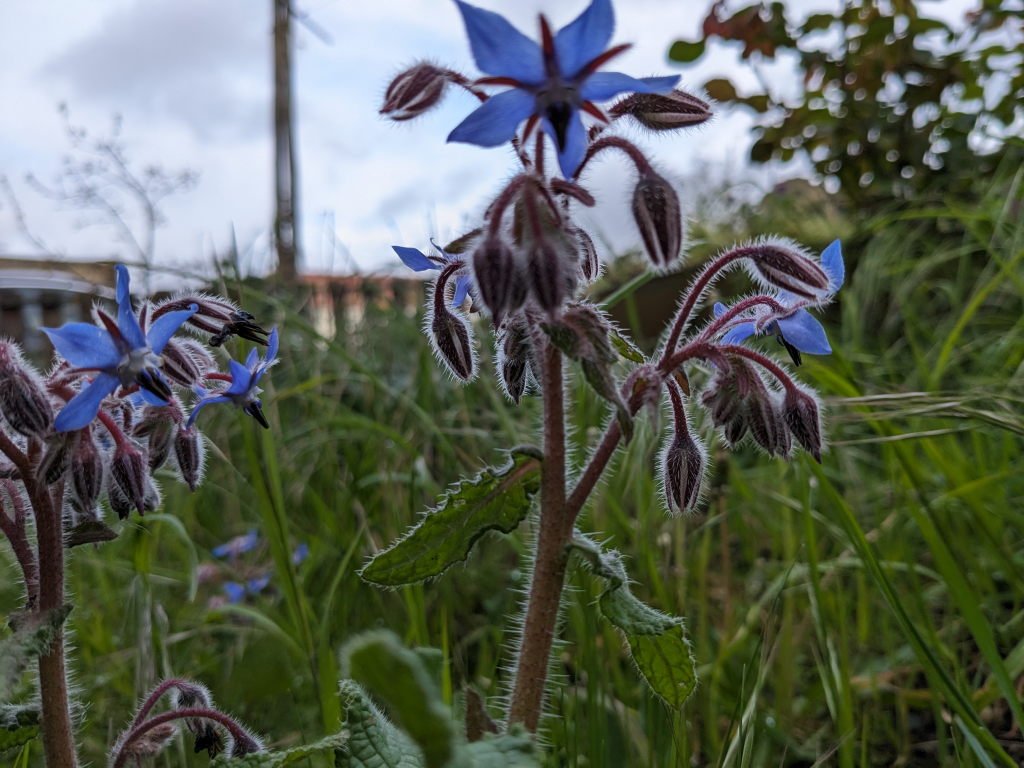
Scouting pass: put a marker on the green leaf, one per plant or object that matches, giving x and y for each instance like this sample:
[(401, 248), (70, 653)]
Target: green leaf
[(496, 499), (33, 633), (398, 676), (626, 348), (509, 750), (720, 89), (18, 725), (373, 742), (657, 641), (685, 51), (333, 743)]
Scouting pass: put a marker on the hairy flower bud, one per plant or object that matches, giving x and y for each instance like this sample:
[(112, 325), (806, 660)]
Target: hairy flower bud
[(180, 366), (452, 344), (663, 112), (214, 315), (682, 467), (803, 417), (414, 91), (23, 399), (764, 419), (513, 359), (128, 477), (156, 425), (57, 457), (590, 265), (783, 264), (86, 471), (190, 454), (659, 217), (551, 270), (737, 399), (497, 275)]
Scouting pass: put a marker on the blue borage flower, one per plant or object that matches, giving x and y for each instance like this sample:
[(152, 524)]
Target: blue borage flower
[(122, 353), (550, 83), (798, 330), (239, 545), (244, 390), (418, 261)]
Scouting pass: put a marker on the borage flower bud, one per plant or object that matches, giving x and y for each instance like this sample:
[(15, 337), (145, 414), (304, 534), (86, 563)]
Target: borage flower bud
[(590, 265), (128, 477), (190, 454), (450, 335), (157, 426), (513, 358), (803, 417), (189, 695), (551, 270), (86, 471), (663, 112), (23, 399), (414, 91), (783, 264), (179, 365), (56, 459), (498, 276), (764, 419), (682, 468), (659, 217)]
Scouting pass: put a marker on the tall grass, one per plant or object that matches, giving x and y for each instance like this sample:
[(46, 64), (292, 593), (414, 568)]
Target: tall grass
[(867, 612)]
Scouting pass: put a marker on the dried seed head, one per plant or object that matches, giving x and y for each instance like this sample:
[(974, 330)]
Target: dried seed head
[(663, 112), (783, 264), (803, 417), (128, 477), (414, 91), (190, 455), (23, 399), (658, 215)]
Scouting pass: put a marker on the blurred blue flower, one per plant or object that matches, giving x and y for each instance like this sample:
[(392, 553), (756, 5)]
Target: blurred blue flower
[(239, 545), (235, 592), (418, 261), (257, 584), (551, 82), (244, 390), (798, 331), (121, 353), (300, 553)]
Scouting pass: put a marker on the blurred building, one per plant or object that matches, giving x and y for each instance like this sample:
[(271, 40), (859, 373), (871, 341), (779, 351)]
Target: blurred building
[(43, 292), (341, 301)]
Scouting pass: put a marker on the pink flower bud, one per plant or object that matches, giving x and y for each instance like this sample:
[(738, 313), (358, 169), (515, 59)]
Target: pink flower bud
[(23, 399), (803, 417), (659, 217), (414, 92), (783, 264), (663, 112)]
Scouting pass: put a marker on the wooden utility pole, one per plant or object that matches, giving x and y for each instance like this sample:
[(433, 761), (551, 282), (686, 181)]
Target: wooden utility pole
[(286, 225)]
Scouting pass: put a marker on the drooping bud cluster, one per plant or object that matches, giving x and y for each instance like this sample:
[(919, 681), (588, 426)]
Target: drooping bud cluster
[(112, 412)]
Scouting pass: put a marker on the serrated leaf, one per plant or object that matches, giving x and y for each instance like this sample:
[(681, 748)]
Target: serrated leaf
[(18, 725), (657, 641), (398, 676), (33, 634), (626, 348), (685, 51), (497, 499), (332, 743), (373, 742)]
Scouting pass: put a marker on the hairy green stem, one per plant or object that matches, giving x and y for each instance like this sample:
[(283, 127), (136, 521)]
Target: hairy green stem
[(551, 556)]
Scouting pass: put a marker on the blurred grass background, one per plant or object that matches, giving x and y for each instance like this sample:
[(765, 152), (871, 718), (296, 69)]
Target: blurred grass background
[(868, 612)]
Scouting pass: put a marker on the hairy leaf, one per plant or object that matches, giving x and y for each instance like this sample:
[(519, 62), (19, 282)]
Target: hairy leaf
[(657, 641), (18, 725), (496, 499), (333, 743), (625, 347), (373, 742), (509, 750), (398, 676), (32, 636)]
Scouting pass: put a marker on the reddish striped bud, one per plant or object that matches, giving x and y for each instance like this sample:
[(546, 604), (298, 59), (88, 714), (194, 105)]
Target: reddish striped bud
[(86, 471), (414, 92), (513, 359), (497, 275), (23, 399), (190, 455), (659, 217), (682, 467), (590, 264), (783, 264), (157, 426), (57, 457), (803, 417), (128, 476), (663, 112)]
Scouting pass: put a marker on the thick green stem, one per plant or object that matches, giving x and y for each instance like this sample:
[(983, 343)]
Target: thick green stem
[(551, 556)]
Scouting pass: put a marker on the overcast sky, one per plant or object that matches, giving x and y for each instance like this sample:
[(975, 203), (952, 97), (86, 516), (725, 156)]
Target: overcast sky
[(192, 81)]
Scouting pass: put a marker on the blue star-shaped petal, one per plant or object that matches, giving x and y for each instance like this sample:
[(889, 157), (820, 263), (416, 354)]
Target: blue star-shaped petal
[(418, 261), (244, 390), (121, 353), (552, 82), (798, 330)]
